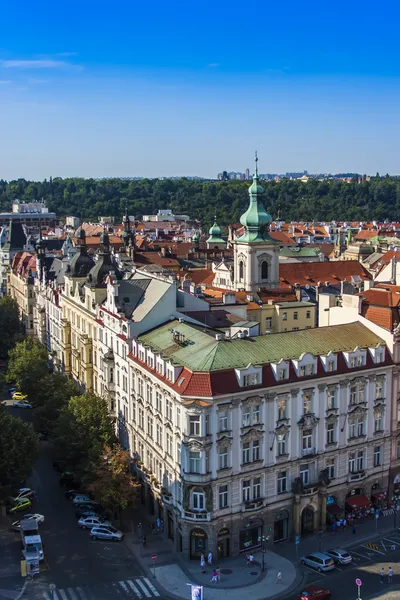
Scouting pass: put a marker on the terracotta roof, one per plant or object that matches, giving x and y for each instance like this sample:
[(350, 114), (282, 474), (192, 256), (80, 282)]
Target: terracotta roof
[(325, 247), (277, 295), (199, 275), (387, 257), (214, 318), (365, 234), (313, 272), (154, 258), (282, 237), (380, 305), (22, 263)]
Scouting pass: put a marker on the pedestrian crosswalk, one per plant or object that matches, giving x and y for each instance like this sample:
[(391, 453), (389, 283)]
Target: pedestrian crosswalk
[(138, 588)]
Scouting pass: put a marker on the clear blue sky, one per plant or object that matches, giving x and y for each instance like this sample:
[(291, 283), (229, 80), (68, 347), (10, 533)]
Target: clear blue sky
[(192, 88)]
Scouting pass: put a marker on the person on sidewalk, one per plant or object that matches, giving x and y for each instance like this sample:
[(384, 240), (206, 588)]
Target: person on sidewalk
[(354, 529), (203, 563), (390, 575), (250, 559), (382, 574), (218, 574), (214, 578), (209, 558), (278, 577)]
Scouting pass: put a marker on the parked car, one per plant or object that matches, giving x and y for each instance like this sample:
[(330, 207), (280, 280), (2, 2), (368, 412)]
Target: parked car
[(36, 517), (93, 521), (102, 532), (314, 592), (82, 499), (18, 396), (72, 493), (24, 493), (319, 561), (68, 479), (12, 391), (22, 404), (86, 511), (340, 556), (19, 505)]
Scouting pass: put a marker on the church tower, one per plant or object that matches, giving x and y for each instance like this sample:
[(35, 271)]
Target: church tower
[(256, 254)]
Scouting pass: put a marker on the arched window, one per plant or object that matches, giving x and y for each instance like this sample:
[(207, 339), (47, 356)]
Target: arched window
[(241, 270), (264, 270)]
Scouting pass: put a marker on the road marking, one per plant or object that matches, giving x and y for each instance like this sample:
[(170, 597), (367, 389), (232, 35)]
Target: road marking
[(144, 588), (124, 586), (134, 588), (314, 570), (396, 543), (373, 550), (81, 593), (362, 555), (72, 594), (46, 596), (151, 586), (338, 568), (63, 594), (383, 545)]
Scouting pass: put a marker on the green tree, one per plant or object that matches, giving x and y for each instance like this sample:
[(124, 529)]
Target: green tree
[(83, 429), (19, 448), (10, 325), (56, 391), (27, 365), (112, 484)]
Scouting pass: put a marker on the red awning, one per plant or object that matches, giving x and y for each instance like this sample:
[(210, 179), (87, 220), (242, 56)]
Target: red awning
[(334, 509), (358, 502), (379, 496)]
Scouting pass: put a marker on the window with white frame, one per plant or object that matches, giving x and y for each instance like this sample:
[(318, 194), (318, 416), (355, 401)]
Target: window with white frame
[(307, 370), (377, 456), (330, 365), (379, 356), (307, 403), (356, 461), (150, 427), (282, 482), (169, 443), (256, 488), (246, 490), (178, 453), (251, 416), (194, 425), (305, 474), (141, 418), (268, 322), (149, 394), (160, 367), (223, 457), (282, 407), (246, 452), (284, 316), (168, 409), (282, 373), (256, 450), (223, 421), (331, 398), (331, 467), (150, 361), (170, 375), (378, 421), (198, 501), (142, 354), (379, 389), (159, 402), (357, 425), (307, 441), (331, 433), (357, 393), (159, 434), (223, 496), (281, 444), (140, 387), (194, 462), (178, 417), (251, 489), (251, 379)]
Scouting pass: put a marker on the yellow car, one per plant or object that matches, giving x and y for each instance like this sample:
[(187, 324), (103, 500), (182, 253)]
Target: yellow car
[(21, 504), (18, 396)]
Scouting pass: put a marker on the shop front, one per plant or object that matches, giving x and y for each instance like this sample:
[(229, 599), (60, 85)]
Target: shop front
[(223, 543), (378, 496), (396, 490), (334, 511), (198, 543), (358, 506), (281, 526), (250, 535)]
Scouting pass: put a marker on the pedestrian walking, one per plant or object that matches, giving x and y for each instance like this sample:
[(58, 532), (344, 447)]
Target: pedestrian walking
[(218, 573), (214, 578), (334, 528), (278, 577), (345, 524), (209, 558), (390, 575), (354, 529), (158, 523), (203, 563), (382, 574)]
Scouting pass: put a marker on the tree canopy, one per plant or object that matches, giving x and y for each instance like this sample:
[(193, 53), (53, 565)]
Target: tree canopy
[(28, 364), (377, 199), (19, 448), (10, 325)]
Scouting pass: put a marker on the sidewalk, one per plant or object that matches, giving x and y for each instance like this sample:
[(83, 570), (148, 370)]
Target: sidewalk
[(365, 531), (173, 571)]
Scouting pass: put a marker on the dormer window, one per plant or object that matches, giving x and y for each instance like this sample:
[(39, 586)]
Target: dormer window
[(379, 357), (250, 379), (330, 365), (282, 373), (306, 370), (142, 354)]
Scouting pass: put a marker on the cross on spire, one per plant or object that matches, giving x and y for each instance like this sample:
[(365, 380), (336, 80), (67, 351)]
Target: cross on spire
[(256, 160)]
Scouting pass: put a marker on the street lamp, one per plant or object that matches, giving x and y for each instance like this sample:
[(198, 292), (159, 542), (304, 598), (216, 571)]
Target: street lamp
[(263, 539)]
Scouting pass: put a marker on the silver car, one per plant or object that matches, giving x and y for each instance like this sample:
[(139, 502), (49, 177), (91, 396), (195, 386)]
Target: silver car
[(106, 532), (93, 521), (82, 499), (340, 556), (319, 561)]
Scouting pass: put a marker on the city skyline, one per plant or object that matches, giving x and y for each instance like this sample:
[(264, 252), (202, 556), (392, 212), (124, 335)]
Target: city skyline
[(105, 94)]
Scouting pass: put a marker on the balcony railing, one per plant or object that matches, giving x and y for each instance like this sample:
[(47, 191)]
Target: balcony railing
[(357, 476), (196, 516), (253, 504), (308, 451)]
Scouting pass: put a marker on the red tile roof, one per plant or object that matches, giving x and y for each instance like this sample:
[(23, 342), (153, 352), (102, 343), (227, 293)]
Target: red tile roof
[(365, 234), (313, 272), (282, 237), (380, 305)]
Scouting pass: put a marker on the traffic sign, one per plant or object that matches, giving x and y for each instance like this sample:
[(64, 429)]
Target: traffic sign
[(358, 582), (297, 539), (154, 557)]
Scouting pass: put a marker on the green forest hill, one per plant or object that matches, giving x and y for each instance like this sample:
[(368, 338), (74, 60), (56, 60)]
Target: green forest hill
[(290, 200)]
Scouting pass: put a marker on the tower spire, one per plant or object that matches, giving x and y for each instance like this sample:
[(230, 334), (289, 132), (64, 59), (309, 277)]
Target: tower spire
[(256, 161)]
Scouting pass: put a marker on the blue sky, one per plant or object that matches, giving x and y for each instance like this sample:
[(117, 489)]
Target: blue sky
[(193, 88)]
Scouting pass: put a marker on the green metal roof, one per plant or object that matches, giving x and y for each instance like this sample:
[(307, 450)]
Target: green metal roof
[(293, 252), (200, 351)]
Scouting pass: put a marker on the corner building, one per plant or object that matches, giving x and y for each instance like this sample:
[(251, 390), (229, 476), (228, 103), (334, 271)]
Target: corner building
[(238, 439)]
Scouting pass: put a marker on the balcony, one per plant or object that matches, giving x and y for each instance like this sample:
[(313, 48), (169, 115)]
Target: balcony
[(196, 516), (310, 489), (196, 477), (252, 505), (308, 451), (356, 476)]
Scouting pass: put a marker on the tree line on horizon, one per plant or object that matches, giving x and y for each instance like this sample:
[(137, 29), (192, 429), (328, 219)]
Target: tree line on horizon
[(288, 200)]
